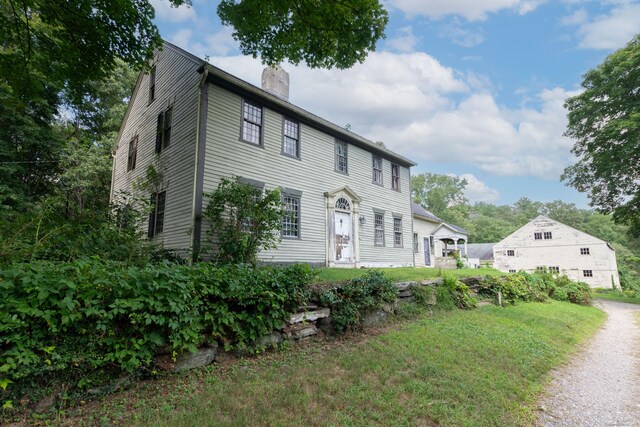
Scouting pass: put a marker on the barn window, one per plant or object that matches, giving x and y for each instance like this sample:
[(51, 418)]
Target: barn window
[(584, 251), (587, 273)]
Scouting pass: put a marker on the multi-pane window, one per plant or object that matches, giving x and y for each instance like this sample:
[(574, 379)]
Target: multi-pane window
[(291, 215), (133, 153), (537, 236), (156, 216), (416, 244), (511, 252), (554, 269), (397, 232), (512, 271), (291, 138), (377, 170), (395, 177), (152, 84), (547, 235), (163, 130), (584, 251), (251, 123), (587, 273), (341, 156), (541, 269), (379, 228)]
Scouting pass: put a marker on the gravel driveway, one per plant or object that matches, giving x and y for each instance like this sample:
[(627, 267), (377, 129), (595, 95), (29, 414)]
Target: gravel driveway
[(601, 385)]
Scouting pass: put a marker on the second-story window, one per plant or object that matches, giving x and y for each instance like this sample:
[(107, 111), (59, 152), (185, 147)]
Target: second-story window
[(377, 170), (547, 235), (395, 177), (341, 157), (133, 153), (537, 236), (251, 123), (291, 138), (585, 251), (511, 252), (163, 130)]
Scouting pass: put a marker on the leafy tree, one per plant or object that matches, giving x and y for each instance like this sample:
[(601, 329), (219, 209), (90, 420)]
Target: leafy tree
[(604, 121), (323, 34), (243, 221), (443, 195)]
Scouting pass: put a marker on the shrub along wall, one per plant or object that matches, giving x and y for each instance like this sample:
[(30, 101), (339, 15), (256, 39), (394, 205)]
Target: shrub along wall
[(63, 322)]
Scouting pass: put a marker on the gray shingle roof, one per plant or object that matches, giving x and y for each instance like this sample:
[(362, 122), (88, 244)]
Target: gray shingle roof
[(416, 209), (483, 251)]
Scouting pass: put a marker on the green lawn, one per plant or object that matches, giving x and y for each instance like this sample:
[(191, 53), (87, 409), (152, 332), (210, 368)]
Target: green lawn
[(400, 274), (484, 367), (622, 296)]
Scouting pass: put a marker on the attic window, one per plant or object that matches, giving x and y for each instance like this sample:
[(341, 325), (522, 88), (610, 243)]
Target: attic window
[(511, 252), (152, 84), (163, 130), (584, 251), (537, 236), (547, 235), (395, 177)]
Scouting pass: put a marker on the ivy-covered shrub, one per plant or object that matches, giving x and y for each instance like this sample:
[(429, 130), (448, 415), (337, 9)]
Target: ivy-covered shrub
[(351, 301), (453, 293), (570, 291), (68, 318), (539, 287), (513, 288)]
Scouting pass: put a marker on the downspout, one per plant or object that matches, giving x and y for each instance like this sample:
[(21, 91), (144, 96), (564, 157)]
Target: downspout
[(198, 169)]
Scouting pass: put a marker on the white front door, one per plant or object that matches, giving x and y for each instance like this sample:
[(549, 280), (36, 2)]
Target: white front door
[(344, 237)]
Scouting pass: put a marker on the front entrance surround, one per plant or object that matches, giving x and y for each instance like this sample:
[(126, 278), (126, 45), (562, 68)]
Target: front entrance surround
[(343, 229)]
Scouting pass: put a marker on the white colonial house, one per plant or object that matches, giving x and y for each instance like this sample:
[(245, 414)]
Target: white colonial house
[(545, 244), (349, 199), (434, 240)]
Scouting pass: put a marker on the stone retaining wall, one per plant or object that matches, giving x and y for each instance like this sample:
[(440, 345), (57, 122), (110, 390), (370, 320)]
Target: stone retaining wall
[(310, 320)]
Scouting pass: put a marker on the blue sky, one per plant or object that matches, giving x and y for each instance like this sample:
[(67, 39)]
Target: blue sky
[(466, 87)]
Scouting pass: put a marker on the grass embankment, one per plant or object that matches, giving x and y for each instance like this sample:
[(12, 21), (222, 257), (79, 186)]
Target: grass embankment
[(474, 368), (613, 295), (401, 274)]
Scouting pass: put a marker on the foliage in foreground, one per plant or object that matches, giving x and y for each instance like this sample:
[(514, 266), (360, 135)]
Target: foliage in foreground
[(477, 368), (629, 295), (67, 319)]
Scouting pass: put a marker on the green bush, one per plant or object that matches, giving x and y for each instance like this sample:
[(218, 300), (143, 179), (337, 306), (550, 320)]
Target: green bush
[(513, 288), (570, 291), (453, 293), (70, 318), (351, 301)]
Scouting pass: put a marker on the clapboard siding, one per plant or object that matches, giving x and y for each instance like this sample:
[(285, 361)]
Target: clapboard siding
[(314, 175), (424, 228), (177, 86), (562, 250)]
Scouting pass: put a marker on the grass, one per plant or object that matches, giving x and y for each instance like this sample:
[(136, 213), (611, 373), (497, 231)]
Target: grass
[(484, 367), (614, 295), (400, 274)]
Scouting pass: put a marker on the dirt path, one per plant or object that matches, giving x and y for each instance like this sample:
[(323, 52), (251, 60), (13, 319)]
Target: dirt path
[(601, 385)]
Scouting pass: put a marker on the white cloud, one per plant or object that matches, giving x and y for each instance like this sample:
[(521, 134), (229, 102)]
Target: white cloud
[(405, 42), (218, 43), (607, 31), (471, 10), (429, 112), (460, 36), (165, 12), (612, 31), (478, 191)]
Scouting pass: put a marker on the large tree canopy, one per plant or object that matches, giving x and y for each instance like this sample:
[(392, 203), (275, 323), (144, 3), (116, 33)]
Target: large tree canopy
[(604, 121), (443, 195), (323, 34)]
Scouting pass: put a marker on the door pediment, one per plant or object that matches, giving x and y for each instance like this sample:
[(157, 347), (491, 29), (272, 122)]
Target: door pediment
[(343, 190)]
